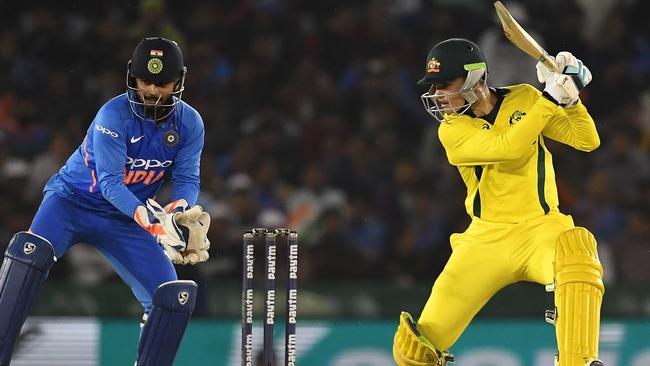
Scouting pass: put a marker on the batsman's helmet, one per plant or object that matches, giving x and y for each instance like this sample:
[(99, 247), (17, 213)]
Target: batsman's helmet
[(156, 60), (450, 59), (447, 60)]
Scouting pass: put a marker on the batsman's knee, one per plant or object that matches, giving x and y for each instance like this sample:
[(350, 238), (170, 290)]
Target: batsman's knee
[(576, 259), (410, 348)]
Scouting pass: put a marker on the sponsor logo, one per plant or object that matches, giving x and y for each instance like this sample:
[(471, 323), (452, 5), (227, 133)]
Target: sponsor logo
[(136, 139), (144, 170), (270, 307), (249, 349), (106, 131), (29, 248), (291, 350), (486, 126), (183, 296), (146, 164)]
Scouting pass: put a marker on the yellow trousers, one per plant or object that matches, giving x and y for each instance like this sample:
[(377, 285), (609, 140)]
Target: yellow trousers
[(485, 258)]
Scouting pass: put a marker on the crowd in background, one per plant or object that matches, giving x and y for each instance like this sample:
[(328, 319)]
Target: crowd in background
[(313, 121)]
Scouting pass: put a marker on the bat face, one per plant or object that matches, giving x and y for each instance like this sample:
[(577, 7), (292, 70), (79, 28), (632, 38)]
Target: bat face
[(520, 38)]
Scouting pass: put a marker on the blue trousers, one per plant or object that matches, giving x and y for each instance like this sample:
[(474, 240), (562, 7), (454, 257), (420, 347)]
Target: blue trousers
[(132, 251)]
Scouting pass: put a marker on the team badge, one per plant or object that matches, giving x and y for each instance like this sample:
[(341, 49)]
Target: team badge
[(183, 296), (516, 117), (170, 138), (29, 248), (155, 65), (433, 65)]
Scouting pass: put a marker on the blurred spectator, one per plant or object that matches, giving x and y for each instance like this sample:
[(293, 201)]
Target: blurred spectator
[(633, 249), (508, 65)]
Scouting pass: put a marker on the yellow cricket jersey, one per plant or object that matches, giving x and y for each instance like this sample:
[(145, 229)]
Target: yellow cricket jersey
[(503, 160)]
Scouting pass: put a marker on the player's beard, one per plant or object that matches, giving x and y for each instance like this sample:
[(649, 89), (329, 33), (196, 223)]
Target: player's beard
[(151, 107)]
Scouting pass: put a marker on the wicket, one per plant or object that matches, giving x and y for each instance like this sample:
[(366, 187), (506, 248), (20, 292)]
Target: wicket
[(270, 240)]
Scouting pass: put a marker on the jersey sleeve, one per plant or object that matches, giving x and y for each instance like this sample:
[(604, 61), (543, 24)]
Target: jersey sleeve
[(573, 127), (186, 169), (110, 158), (467, 144)]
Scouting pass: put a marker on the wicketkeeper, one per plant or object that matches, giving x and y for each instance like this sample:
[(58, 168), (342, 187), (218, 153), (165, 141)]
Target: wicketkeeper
[(104, 196)]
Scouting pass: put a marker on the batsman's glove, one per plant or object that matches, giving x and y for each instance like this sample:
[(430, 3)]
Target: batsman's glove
[(563, 88)]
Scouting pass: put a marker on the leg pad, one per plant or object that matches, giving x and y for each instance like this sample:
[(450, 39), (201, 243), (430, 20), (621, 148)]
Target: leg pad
[(173, 303), (578, 296), (26, 262)]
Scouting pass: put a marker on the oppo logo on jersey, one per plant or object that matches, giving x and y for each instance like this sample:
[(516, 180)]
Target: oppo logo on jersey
[(106, 131), (146, 164), (139, 170)]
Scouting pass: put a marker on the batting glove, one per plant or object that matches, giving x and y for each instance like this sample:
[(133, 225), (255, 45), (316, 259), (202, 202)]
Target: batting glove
[(573, 67), (569, 65)]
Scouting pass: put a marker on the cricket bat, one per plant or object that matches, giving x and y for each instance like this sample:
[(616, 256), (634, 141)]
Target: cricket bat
[(520, 38)]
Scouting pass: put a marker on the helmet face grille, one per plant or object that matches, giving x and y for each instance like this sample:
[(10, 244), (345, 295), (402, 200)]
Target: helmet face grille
[(433, 102)]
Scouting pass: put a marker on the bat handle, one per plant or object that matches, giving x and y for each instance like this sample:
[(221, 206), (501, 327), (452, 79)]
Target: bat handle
[(549, 62)]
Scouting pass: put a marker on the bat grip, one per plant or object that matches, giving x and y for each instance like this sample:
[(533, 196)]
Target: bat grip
[(549, 62)]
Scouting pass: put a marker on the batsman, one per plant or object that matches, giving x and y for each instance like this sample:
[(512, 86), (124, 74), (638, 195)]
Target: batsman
[(496, 138)]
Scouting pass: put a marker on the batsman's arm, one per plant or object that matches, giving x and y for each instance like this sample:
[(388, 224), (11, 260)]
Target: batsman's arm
[(573, 127), (468, 145)]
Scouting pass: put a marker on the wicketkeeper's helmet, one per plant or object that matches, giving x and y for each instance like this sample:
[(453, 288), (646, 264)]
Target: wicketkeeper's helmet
[(156, 60)]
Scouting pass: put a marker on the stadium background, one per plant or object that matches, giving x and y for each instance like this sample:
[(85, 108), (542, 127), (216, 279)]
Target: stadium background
[(313, 121)]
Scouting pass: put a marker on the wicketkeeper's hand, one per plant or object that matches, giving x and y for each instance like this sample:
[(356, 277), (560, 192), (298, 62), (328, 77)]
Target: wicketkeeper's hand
[(179, 205), (196, 224), (564, 88), (163, 227)]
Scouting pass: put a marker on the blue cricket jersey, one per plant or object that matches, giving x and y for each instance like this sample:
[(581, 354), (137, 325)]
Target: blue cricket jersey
[(123, 160)]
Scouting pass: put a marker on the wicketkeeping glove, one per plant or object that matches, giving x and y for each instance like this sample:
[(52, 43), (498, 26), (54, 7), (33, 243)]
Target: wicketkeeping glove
[(179, 205), (197, 224), (162, 226)]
